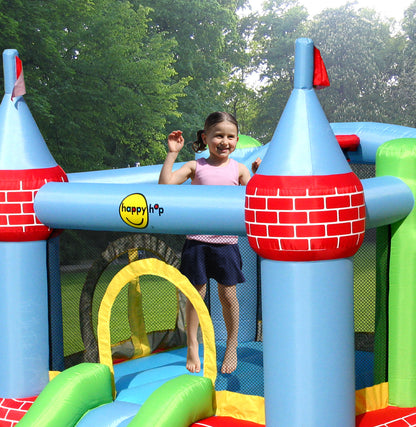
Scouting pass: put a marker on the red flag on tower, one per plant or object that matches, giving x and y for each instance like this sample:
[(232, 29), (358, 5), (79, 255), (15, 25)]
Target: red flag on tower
[(320, 75), (19, 88)]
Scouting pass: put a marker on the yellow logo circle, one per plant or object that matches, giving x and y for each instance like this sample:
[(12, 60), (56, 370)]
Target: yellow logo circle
[(134, 211)]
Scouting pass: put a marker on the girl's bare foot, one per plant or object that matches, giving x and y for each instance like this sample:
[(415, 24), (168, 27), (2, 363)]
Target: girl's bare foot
[(193, 363), (229, 364)]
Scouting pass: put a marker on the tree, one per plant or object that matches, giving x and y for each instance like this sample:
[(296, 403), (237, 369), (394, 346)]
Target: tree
[(356, 48), (206, 44), (101, 85), (241, 102), (272, 44), (239, 95), (403, 88)]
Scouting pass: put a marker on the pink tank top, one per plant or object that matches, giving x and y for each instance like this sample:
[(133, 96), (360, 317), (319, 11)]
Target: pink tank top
[(205, 174)]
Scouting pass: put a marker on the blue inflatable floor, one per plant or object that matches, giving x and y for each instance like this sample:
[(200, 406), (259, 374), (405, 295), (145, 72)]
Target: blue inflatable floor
[(136, 379)]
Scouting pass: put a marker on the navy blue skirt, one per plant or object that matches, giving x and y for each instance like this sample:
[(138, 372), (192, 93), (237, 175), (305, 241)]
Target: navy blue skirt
[(202, 261)]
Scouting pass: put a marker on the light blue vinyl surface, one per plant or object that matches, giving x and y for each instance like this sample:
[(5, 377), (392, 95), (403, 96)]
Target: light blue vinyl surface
[(115, 414), (24, 361), (303, 142), (137, 379), (182, 209), (387, 200), (186, 209), (21, 143), (307, 307), (308, 342), (294, 151), (371, 135)]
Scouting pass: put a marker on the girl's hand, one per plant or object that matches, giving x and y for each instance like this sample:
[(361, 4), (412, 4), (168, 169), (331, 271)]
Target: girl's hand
[(255, 165), (175, 141)]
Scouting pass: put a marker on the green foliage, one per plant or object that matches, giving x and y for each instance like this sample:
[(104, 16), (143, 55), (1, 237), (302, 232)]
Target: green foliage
[(403, 89), (355, 46), (205, 42), (240, 100), (271, 101), (101, 85), (108, 80), (274, 36), (272, 41)]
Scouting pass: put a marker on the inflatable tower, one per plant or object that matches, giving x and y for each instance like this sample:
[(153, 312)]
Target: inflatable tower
[(305, 216), (25, 166)]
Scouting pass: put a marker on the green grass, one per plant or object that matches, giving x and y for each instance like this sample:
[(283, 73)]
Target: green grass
[(71, 287), (159, 305), (160, 315)]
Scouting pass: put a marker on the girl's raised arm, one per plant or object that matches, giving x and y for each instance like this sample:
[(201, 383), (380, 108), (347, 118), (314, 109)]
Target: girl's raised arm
[(244, 174), (167, 176), (244, 177)]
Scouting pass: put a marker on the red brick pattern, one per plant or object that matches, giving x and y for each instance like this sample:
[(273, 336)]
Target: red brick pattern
[(406, 421), (18, 188), (305, 218), (12, 410)]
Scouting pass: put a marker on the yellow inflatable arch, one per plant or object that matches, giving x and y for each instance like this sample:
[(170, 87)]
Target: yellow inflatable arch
[(155, 267)]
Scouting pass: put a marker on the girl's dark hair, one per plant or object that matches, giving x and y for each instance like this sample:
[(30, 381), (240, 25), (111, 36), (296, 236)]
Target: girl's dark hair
[(212, 120)]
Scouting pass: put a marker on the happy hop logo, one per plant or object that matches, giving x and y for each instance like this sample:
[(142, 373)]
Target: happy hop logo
[(134, 210)]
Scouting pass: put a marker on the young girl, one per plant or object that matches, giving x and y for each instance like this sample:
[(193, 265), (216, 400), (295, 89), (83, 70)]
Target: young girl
[(203, 256)]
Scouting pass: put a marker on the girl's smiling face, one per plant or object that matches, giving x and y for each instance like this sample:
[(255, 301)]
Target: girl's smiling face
[(221, 140)]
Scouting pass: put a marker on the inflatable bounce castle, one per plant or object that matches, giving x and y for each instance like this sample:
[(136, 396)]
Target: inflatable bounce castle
[(304, 216)]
